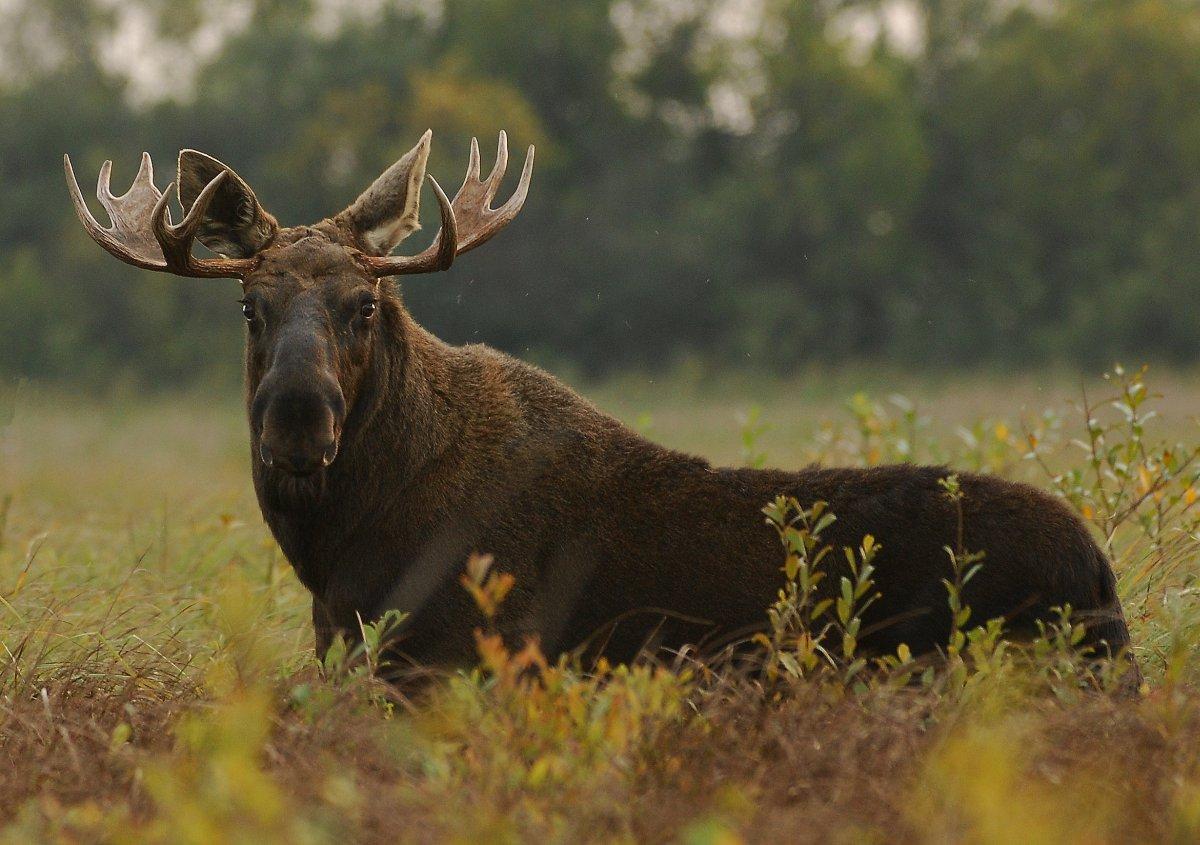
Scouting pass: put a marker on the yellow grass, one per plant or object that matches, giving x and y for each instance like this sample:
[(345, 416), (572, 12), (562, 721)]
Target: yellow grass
[(157, 679)]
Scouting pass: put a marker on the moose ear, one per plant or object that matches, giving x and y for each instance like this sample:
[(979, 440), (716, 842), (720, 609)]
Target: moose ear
[(235, 224), (386, 213)]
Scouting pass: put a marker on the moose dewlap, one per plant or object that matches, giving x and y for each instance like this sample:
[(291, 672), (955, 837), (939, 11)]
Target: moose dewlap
[(383, 457)]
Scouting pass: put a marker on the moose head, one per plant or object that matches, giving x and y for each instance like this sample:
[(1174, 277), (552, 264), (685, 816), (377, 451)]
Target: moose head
[(312, 295)]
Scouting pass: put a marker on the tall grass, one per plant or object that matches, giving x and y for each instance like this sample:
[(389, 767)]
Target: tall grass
[(157, 681)]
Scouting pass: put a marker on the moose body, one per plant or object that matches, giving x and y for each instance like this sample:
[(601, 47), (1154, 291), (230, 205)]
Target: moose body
[(383, 457), (617, 543)]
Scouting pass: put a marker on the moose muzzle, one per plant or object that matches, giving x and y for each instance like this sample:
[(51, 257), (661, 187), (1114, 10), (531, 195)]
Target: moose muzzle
[(298, 411), (300, 431)]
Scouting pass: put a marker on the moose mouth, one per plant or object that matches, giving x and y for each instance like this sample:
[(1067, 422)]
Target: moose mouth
[(298, 467), (292, 491), (295, 484)]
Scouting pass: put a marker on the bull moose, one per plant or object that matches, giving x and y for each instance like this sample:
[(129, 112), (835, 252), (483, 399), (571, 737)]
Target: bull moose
[(383, 457)]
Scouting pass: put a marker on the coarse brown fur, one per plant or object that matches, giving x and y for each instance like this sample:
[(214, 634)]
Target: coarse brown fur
[(383, 457), (613, 540)]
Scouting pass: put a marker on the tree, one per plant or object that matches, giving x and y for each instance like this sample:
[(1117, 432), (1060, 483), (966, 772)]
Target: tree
[(1064, 197)]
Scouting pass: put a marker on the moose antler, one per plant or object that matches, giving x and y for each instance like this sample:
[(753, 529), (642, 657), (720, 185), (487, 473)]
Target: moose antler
[(468, 221), (142, 233)]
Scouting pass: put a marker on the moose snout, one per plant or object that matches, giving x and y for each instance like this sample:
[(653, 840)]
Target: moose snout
[(301, 461), (299, 428)]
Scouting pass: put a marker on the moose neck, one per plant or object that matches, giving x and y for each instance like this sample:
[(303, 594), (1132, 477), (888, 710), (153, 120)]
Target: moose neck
[(402, 419), (405, 413)]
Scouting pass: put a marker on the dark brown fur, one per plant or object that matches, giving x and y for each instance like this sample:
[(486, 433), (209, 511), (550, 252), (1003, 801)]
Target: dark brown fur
[(613, 540), (383, 458)]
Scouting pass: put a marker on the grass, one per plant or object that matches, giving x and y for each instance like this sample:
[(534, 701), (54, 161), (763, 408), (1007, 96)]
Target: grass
[(157, 681)]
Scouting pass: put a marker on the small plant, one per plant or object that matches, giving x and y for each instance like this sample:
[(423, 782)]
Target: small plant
[(1055, 649), (367, 656), (991, 446), (1141, 493), (487, 588), (9, 397), (965, 566), (853, 600), (753, 428), (890, 433), (795, 644), (803, 622)]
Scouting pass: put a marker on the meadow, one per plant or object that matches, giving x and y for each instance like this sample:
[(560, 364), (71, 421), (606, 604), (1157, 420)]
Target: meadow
[(158, 683)]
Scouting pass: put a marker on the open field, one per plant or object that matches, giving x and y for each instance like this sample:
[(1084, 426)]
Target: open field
[(157, 681)]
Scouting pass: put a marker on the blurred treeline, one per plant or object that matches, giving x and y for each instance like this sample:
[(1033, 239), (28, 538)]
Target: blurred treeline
[(761, 183)]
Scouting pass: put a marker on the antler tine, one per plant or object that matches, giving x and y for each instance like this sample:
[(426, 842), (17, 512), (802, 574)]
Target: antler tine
[(517, 200), (103, 190), (121, 240), (469, 220), (478, 222), (497, 175), (143, 180), (176, 239), (473, 162), (142, 234), (447, 237)]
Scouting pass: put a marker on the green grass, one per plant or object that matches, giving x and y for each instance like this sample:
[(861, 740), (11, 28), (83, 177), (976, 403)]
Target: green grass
[(157, 681)]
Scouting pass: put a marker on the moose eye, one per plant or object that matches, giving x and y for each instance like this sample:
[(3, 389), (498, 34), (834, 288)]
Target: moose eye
[(248, 310), (367, 310)]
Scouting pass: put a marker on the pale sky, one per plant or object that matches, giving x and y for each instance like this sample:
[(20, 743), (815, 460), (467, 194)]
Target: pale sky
[(158, 68)]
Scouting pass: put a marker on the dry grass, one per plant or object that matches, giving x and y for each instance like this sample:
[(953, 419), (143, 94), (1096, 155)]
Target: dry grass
[(157, 680)]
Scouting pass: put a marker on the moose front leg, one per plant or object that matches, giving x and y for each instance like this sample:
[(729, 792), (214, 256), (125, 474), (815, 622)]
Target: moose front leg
[(324, 628)]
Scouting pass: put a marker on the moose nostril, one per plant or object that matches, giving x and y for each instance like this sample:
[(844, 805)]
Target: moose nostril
[(265, 454), (330, 453)]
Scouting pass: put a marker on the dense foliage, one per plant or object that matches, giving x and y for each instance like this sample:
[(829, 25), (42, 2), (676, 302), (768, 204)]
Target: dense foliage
[(769, 183)]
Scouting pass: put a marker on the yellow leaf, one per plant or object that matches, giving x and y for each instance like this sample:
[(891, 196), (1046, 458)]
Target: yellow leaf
[(1189, 496), (478, 566), (498, 586), (492, 652), (530, 656), (539, 770), (1001, 431)]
